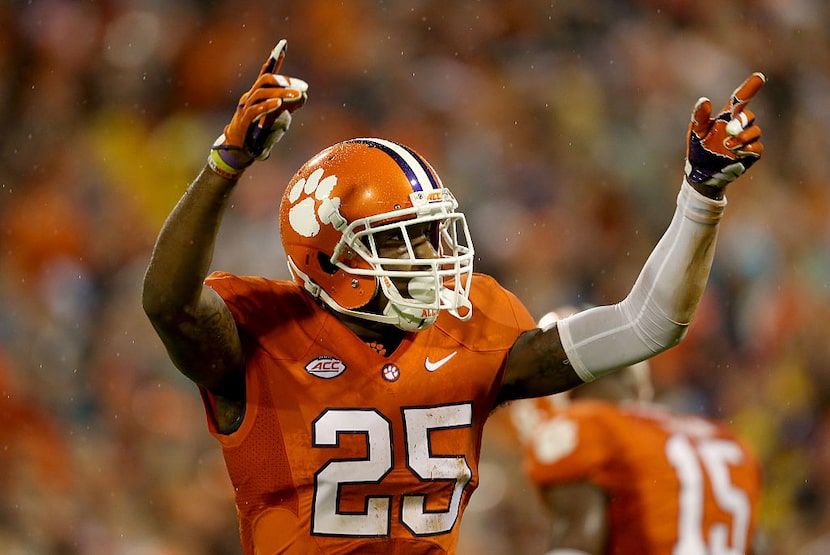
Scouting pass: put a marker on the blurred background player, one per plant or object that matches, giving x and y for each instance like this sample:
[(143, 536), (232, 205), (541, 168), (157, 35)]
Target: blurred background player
[(622, 474)]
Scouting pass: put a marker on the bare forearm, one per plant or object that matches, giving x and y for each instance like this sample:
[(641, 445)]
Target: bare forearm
[(537, 366), (193, 321), (184, 249)]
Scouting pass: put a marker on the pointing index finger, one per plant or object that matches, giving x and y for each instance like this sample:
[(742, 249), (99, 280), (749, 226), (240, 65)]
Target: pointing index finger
[(275, 59), (745, 92)]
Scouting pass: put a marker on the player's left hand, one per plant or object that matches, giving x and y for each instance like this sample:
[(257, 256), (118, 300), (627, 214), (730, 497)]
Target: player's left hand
[(262, 116), (722, 148)]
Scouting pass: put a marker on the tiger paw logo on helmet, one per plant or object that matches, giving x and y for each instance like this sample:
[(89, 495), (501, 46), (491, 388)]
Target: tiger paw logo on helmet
[(307, 215), (347, 200)]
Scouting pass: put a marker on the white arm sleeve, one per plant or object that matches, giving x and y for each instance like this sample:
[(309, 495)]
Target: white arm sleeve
[(656, 313)]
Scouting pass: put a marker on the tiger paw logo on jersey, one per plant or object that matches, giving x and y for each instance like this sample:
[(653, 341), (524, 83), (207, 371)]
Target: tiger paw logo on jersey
[(317, 207)]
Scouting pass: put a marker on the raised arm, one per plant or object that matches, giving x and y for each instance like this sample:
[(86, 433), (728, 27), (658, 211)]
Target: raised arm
[(194, 324), (192, 320), (657, 312)]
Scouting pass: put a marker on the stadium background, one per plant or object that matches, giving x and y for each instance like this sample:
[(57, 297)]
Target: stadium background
[(558, 124)]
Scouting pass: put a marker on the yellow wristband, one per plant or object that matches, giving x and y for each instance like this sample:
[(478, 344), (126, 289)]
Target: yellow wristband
[(222, 168)]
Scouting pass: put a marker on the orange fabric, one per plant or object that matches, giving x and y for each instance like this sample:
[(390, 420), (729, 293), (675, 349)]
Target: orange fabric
[(327, 437), (650, 463)]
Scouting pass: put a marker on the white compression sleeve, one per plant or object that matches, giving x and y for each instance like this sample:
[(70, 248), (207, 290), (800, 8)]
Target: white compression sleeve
[(656, 313)]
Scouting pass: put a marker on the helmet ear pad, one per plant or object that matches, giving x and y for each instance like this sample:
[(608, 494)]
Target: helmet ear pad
[(350, 291)]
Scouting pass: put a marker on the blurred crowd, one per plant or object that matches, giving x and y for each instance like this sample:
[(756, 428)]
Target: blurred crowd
[(558, 124)]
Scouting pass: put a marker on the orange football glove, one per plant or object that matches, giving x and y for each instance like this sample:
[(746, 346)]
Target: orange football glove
[(722, 148), (262, 116)]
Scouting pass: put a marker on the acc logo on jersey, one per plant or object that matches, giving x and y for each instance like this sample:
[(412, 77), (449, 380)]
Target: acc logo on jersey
[(325, 367)]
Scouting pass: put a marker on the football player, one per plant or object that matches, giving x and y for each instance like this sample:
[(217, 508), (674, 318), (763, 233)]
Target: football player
[(621, 474), (349, 402)]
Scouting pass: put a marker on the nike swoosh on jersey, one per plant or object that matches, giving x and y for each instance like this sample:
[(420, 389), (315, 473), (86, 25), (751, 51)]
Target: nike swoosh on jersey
[(433, 366)]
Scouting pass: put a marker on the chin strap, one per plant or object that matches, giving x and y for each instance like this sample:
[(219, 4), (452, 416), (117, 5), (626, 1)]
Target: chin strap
[(392, 315), (314, 289), (407, 321), (463, 303)]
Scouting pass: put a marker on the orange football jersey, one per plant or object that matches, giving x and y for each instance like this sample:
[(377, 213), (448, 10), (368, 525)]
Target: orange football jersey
[(343, 450), (676, 484)]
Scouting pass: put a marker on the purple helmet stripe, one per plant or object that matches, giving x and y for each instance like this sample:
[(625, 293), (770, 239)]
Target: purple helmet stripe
[(416, 170)]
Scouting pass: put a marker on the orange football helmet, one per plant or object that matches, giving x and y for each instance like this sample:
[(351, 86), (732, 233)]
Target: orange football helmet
[(336, 204)]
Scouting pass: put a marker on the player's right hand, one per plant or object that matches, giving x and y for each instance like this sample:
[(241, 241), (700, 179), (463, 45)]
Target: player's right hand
[(262, 116), (720, 149)]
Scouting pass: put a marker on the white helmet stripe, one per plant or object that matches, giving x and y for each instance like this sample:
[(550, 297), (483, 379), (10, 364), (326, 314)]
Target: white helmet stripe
[(417, 172)]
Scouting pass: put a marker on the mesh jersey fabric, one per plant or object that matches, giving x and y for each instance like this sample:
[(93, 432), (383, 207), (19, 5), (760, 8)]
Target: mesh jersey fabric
[(342, 450)]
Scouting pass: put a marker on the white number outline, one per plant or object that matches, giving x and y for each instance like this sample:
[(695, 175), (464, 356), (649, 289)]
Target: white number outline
[(693, 462), (327, 428), (375, 519), (418, 424)]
